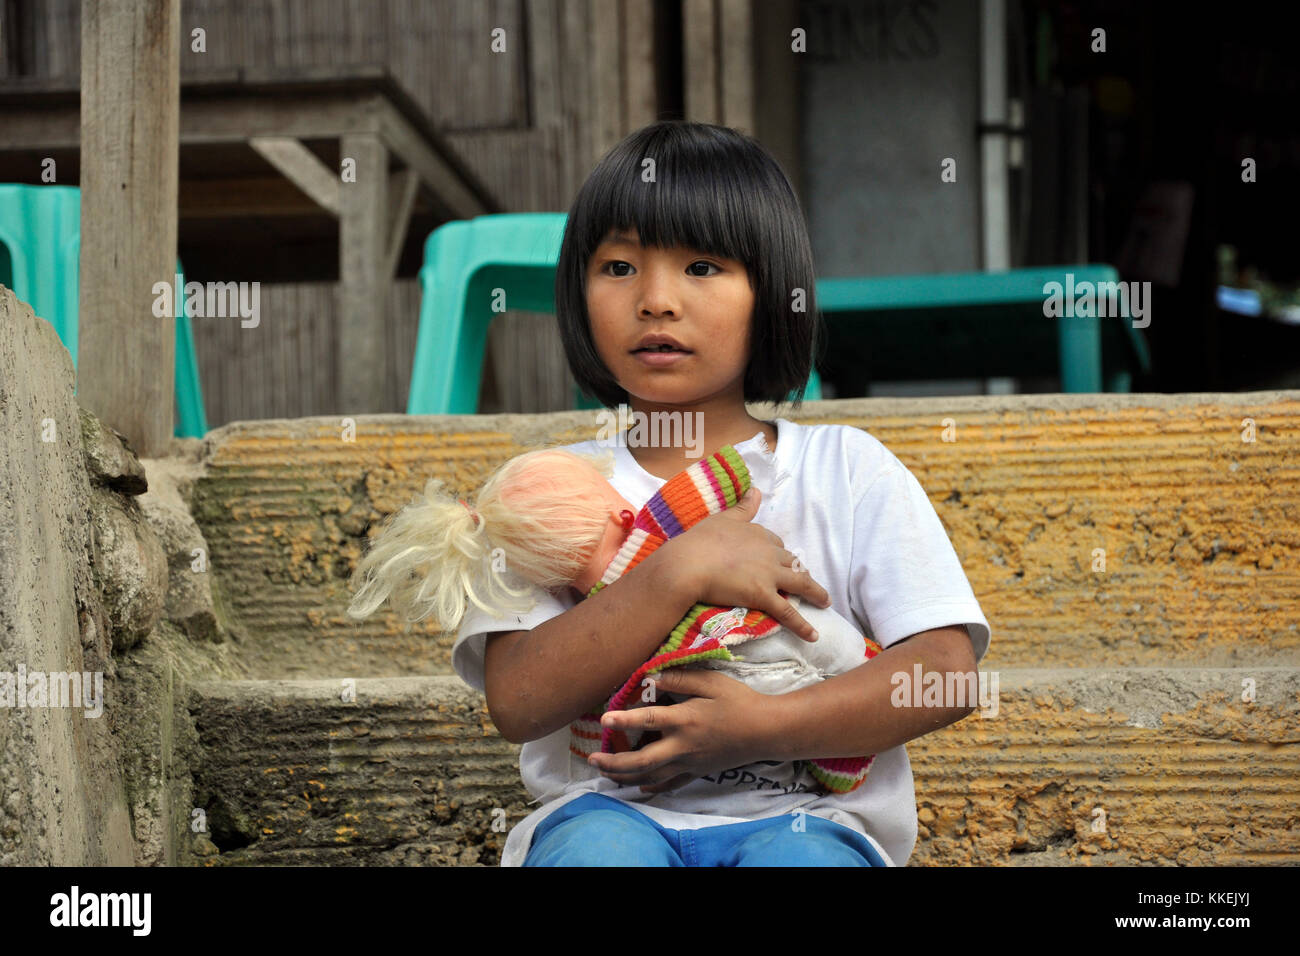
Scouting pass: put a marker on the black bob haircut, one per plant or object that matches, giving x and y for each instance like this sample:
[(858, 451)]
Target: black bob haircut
[(718, 191)]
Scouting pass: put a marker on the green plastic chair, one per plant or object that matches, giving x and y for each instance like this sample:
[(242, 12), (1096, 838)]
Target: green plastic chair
[(955, 325), (464, 263), (975, 324), (40, 247)]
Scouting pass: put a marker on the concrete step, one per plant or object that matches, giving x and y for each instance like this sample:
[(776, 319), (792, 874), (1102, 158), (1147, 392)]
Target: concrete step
[(1096, 530), (1155, 766), (409, 770)]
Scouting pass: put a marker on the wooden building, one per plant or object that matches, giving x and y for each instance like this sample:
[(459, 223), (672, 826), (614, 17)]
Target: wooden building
[(508, 131)]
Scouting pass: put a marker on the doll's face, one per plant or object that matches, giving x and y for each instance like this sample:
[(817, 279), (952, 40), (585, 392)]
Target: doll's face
[(703, 301)]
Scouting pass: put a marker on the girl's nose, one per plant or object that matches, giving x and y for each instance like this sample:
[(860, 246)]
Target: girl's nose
[(658, 296)]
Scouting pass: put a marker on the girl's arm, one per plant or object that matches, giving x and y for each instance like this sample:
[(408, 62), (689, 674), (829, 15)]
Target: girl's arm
[(727, 724), (853, 713), (540, 680)]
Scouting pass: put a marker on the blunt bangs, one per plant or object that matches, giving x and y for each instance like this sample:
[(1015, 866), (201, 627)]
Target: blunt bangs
[(717, 191)]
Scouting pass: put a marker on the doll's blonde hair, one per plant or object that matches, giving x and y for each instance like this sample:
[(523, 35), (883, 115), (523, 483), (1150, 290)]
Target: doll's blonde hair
[(433, 558)]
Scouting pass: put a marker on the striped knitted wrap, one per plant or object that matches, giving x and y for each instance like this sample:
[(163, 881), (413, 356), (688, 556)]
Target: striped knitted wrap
[(708, 486)]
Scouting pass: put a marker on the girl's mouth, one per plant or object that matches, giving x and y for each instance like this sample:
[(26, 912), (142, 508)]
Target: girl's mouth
[(661, 347), (658, 357)]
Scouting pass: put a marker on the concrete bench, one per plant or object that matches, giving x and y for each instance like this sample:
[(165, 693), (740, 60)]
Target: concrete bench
[(1135, 556)]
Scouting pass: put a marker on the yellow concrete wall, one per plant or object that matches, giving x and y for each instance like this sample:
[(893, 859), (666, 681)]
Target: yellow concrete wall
[(1200, 529)]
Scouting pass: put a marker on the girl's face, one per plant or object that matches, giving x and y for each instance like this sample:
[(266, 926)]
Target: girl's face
[(704, 302)]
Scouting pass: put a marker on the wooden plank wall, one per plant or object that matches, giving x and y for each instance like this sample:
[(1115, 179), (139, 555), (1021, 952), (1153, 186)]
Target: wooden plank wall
[(285, 368), (531, 123), (434, 49)]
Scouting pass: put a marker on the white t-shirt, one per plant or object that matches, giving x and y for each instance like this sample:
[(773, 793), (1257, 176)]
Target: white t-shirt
[(867, 532)]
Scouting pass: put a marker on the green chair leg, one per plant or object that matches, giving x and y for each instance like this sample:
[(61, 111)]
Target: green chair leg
[(1119, 381), (1080, 349)]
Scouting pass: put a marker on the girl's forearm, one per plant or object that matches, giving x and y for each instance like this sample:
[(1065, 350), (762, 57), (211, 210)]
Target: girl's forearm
[(852, 714), (569, 665)]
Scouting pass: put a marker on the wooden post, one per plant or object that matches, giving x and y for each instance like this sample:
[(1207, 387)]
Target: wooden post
[(130, 122), (363, 242), (777, 87), (622, 71), (607, 124), (639, 63), (736, 63), (718, 62), (700, 60)]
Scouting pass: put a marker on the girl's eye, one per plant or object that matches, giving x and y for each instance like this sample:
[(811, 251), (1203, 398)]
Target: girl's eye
[(622, 275)]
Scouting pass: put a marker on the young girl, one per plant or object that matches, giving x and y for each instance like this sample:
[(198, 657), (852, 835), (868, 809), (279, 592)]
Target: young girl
[(685, 286)]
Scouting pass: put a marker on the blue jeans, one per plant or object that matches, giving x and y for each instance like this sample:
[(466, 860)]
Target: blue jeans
[(595, 830)]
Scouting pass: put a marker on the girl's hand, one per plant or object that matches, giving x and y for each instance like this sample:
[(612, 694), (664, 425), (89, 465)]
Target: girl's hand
[(723, 725), (728, 561)]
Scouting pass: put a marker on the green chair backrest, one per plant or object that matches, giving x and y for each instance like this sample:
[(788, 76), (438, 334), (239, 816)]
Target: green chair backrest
[(40, 239)]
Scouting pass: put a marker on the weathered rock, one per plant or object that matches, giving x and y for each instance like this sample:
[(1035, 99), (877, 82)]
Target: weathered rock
[(130, 566), (189, 602), (109, 457)]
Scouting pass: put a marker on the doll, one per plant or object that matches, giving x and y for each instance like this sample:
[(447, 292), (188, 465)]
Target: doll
[(554, 520)]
